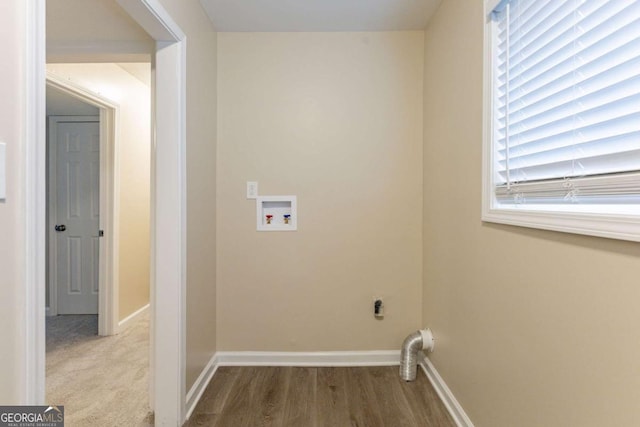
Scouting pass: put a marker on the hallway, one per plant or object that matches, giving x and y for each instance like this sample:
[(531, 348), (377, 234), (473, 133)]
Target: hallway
[(100, 381)]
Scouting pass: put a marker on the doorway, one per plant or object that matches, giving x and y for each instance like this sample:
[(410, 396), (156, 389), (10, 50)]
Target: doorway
[(76, 149), (104, 269), (168, 201)]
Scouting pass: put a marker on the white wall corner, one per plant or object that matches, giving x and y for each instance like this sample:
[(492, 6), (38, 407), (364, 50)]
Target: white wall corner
[(198, 388), (448, 399)]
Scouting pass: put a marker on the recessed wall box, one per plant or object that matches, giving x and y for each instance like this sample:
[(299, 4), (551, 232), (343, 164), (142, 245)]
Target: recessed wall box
[(276, 213)]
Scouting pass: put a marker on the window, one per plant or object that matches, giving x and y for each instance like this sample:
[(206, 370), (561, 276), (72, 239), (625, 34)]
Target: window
[(562, 115)]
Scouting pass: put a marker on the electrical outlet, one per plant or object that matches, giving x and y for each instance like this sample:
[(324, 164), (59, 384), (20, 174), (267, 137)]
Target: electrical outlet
[(252, 189)]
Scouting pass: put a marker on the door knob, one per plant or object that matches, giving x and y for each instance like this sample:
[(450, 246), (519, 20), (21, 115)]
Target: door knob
[(60, 228)]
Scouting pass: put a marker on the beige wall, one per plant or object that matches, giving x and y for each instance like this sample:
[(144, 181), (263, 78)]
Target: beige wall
[(12, 210), (134, 100), (73, 21), (534, 328), (336, 119), (201, 183), (94, 31)]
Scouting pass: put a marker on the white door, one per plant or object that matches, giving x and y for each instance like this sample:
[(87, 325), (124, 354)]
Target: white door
[(77, 216)]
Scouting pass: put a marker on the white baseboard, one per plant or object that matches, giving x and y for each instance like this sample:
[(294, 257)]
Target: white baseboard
[(198, 388), (318, 359), (448, 399), (124, 323)]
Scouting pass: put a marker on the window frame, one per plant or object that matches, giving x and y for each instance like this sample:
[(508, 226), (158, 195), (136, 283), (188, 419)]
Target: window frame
[(623, 225)]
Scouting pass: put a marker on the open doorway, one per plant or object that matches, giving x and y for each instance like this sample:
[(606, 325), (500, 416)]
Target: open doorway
[(121, 209), (99, 151), (168, 222)]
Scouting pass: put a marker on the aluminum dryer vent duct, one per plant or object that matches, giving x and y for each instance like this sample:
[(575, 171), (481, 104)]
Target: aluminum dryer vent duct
[(419, 340)]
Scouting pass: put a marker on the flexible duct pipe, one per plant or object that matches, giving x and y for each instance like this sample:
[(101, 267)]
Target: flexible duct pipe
[(419, 340)]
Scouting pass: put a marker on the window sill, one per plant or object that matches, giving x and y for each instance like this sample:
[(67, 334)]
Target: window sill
[(613, 226)]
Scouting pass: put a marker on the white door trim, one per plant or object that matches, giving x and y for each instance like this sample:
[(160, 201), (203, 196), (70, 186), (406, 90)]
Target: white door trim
[(109, 203), (168, 201), (168, 195), (169, 212), (34, 202)]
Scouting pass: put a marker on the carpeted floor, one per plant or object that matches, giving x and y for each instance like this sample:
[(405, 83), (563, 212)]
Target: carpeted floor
[(101, 381)]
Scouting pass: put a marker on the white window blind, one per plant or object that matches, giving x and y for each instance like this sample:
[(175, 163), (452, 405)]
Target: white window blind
[(566, 102)]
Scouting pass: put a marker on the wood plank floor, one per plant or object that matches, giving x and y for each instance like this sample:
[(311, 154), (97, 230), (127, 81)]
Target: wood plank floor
[(318, 397)]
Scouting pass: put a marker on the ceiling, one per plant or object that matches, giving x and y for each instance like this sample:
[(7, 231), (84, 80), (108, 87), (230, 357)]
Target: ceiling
[(320, 15), (139, 70), (62, 104)]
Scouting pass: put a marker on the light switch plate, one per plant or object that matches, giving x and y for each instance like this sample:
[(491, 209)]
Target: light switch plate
[(252, 189), (3, 171)]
